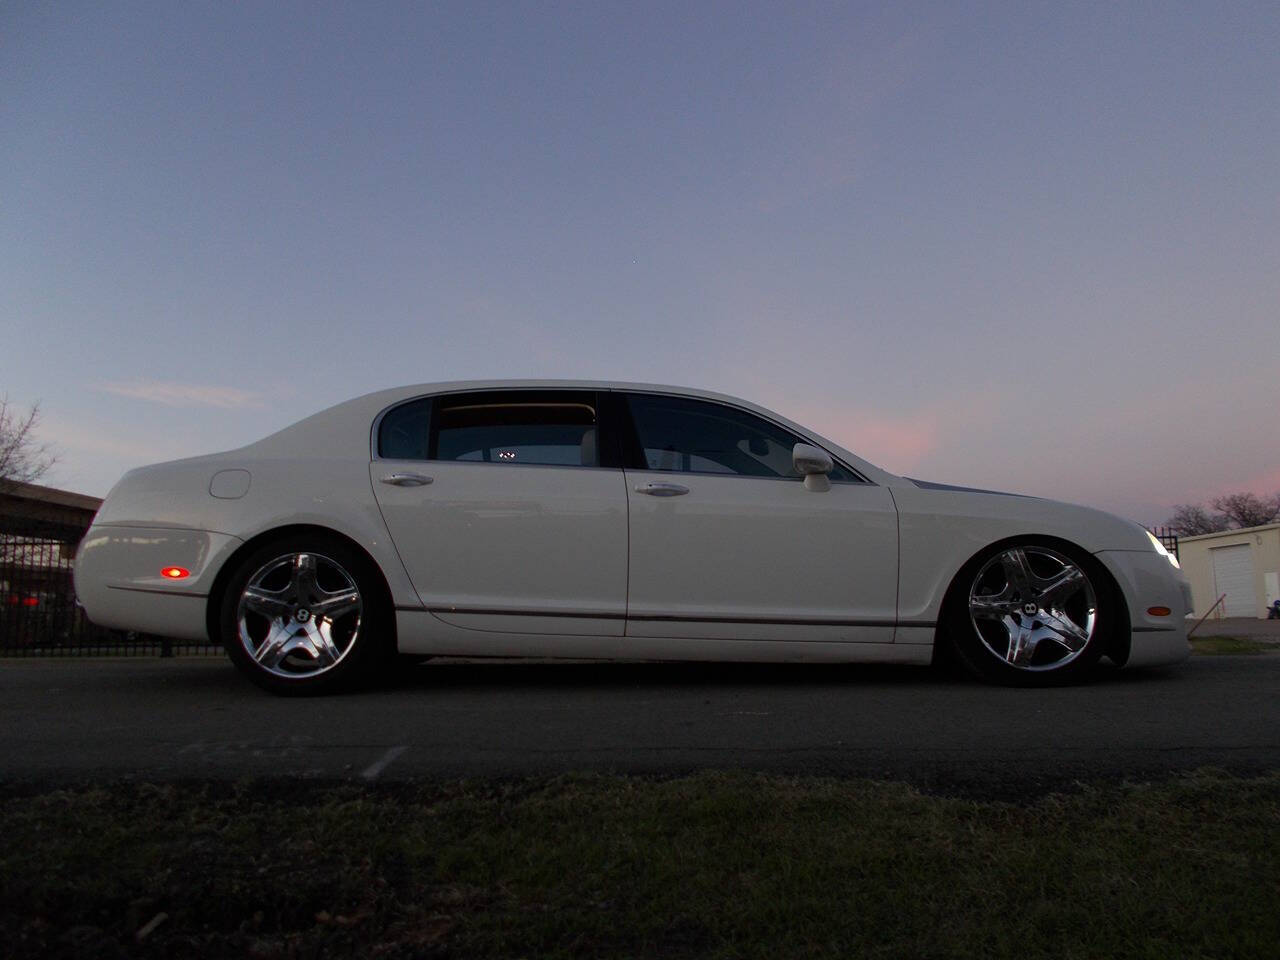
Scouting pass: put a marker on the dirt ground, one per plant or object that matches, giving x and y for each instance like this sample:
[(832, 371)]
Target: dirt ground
[(1265, 630)]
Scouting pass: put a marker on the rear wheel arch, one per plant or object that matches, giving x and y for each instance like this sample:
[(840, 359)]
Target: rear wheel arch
[(217, 592)]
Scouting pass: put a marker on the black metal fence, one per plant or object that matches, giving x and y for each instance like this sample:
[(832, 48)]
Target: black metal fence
[(38, 612), (1168, 537)]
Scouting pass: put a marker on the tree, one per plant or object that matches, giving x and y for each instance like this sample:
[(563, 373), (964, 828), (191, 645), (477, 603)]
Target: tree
[(1192, 519), (1247, 509), (22, 458), (1233, 510)]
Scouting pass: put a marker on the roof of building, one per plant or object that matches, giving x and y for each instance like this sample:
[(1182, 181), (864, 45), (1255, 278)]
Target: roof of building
[(1229, 533), (28, 509)]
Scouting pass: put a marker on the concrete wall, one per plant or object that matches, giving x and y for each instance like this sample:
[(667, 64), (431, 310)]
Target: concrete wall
[(1197, 562)]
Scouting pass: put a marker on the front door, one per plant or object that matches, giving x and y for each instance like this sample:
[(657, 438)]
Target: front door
[(727, 542)]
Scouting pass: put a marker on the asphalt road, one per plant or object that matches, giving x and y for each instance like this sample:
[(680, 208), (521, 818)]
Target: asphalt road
[(76, 720)]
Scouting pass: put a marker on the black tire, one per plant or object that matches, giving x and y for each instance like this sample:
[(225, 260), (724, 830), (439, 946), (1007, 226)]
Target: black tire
[(288, 644), (998, 608)]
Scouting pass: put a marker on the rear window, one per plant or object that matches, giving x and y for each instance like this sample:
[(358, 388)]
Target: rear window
[(405, 431), (554, 428)]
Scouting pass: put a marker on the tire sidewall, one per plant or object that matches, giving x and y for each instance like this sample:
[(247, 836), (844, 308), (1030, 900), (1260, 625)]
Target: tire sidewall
[(974, 655), (371, 643)]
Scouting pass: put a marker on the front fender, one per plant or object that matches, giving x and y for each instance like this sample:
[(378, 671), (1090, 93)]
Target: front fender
[(940, 530)]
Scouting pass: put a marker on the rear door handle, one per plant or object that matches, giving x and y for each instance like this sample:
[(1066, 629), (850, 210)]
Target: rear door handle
[(406, 479), (660, 489)]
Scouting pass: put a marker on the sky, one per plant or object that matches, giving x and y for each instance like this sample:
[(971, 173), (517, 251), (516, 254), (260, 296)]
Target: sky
[(1022, 246)]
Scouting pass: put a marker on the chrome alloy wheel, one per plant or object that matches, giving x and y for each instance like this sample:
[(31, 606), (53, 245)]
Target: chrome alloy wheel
[(299, 615), (1033, 608)]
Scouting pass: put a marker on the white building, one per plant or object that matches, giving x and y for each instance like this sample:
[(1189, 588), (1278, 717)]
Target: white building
[(1243, 564)]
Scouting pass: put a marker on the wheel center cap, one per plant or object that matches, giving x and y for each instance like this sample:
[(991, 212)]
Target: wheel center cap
[(1030, 609), (302, 615)]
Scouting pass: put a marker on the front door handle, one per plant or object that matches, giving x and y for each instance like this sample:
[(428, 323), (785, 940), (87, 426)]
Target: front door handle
[(406, 479), (659, 489)]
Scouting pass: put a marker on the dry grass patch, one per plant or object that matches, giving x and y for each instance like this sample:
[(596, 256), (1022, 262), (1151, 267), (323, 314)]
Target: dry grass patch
[(713, 865)]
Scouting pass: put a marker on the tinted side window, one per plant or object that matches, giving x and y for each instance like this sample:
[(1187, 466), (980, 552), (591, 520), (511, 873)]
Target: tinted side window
[(405, 431), (698, 436), (545, 427)]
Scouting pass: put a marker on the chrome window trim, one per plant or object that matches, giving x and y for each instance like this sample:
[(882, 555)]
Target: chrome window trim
[(507, 463), (858, 477), (374, 456)]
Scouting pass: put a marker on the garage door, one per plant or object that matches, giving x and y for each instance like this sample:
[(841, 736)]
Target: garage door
[(1233, 575)]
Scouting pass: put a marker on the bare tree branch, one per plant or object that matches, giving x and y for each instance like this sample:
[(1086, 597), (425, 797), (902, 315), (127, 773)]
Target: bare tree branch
[(1192, 519), (1247, 509), (22, 458)]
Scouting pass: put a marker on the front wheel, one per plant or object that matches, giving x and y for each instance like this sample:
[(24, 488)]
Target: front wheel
[(1031, 614), (303, 615)]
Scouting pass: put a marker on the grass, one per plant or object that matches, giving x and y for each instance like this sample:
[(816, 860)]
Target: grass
[(1230, 645), (713, 865)]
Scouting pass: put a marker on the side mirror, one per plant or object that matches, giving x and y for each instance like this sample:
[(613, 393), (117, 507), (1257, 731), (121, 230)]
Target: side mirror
[(812, 463)]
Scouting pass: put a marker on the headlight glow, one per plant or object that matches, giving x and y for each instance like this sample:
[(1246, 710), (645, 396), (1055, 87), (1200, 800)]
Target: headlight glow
[(1162, 551)]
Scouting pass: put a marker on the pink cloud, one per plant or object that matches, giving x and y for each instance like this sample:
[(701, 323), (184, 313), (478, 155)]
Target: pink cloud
[(181, 394), (891, 440), (1265, 483), (895, 442), (901, 442)]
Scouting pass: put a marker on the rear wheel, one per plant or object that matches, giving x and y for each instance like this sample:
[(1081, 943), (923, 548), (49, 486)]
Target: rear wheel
[(1031, 613), (305, 615)]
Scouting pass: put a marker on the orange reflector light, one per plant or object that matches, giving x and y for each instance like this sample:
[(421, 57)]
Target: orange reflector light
[(1159, 611), (175, 573)]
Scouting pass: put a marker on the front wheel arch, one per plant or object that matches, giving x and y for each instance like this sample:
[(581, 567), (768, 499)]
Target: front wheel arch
[(231, 564), (1115, 647)]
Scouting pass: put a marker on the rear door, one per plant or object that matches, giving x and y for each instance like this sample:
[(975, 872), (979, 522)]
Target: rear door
[(502, 512)]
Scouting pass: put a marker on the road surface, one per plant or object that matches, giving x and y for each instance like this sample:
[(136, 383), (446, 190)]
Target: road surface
[(64, 721)]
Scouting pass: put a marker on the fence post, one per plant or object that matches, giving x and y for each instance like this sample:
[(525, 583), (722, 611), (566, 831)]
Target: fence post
[(166, 647)]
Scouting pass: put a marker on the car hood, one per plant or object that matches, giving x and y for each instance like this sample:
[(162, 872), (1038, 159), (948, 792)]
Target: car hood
[(988, 515)]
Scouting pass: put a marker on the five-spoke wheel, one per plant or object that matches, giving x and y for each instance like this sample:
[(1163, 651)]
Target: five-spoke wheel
[(1031, 613), (297, 615)]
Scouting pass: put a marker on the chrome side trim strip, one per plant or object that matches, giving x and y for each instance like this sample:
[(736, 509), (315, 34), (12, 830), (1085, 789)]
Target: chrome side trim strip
[(488, 612), (799, 621), (162, 593), (668, 618)]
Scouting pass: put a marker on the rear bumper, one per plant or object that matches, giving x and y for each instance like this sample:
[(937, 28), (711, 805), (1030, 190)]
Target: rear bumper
[(1148, 581), (118, 580)]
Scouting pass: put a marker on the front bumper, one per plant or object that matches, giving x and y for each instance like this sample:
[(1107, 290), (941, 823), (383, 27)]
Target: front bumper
[(1149, 581)]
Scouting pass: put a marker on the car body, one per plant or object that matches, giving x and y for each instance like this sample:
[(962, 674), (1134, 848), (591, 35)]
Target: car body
[(608, 520)]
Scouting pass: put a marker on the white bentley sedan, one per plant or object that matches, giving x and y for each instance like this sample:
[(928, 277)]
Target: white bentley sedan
[(602, 520)]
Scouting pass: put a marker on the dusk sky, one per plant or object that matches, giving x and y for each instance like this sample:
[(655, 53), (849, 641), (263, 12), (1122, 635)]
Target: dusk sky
[(1032, 247)]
